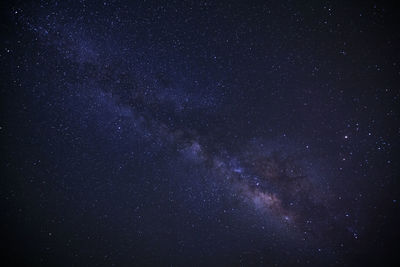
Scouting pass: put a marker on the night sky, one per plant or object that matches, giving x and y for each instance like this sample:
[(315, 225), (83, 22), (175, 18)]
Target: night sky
[(200, 133)]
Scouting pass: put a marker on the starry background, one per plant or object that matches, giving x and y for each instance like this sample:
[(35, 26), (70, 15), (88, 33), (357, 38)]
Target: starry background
[(213, 133)]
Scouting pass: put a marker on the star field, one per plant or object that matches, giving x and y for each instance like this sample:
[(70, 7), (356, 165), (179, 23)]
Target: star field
[(210, 133)]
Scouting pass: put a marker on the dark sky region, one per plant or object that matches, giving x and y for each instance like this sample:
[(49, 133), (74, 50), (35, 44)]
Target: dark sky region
[(200, 133)]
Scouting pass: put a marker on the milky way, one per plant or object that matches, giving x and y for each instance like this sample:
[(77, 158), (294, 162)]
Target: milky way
[(204, 133)]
